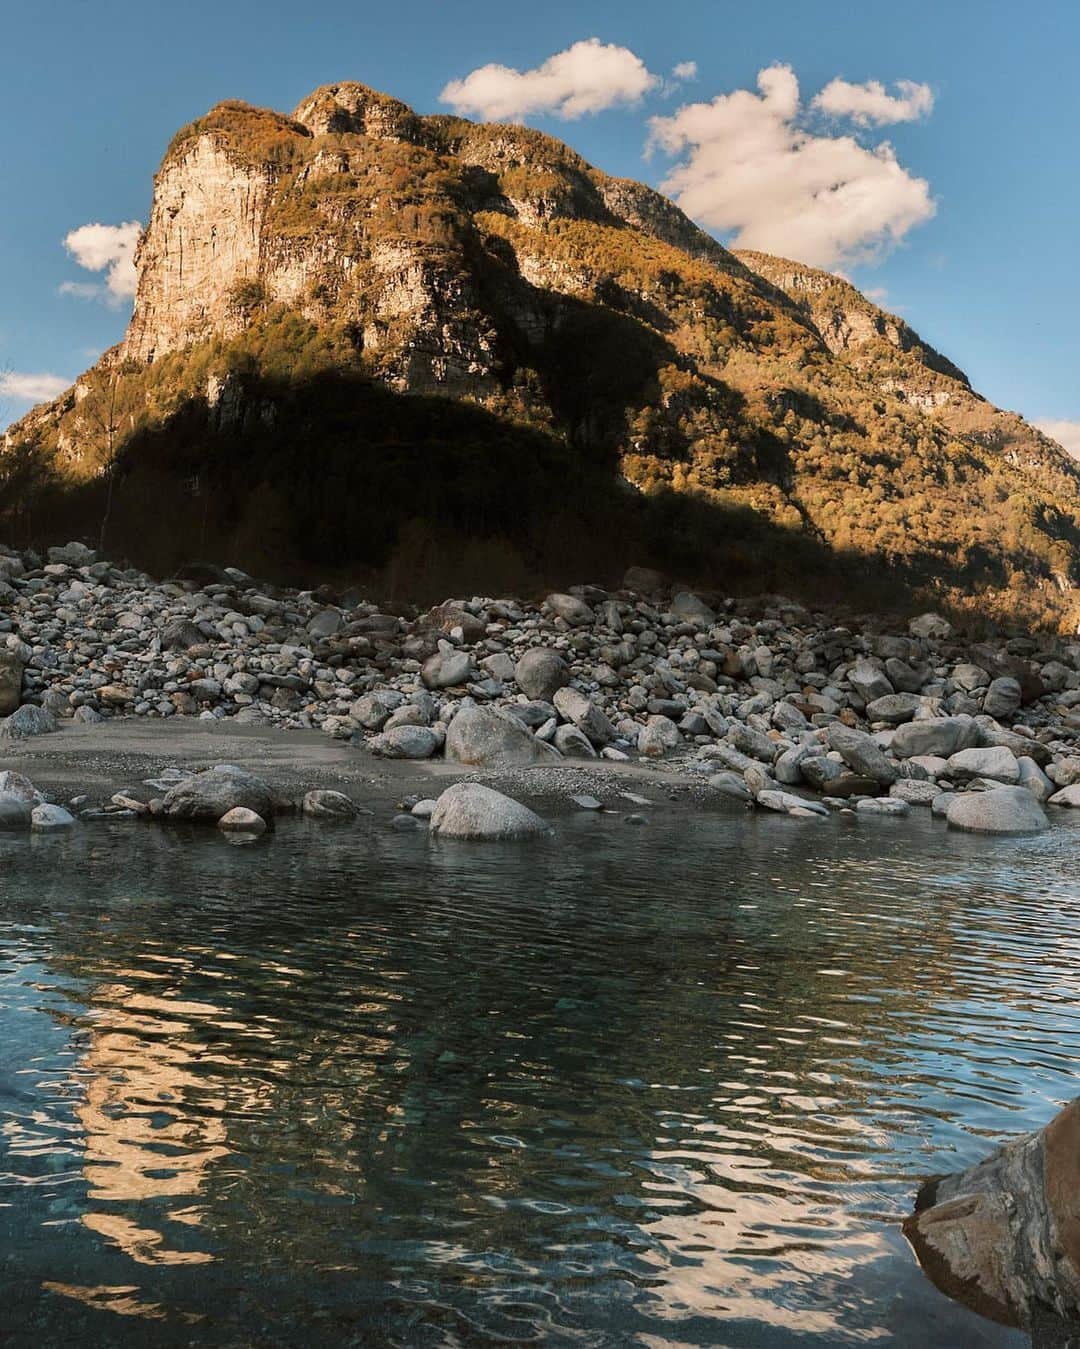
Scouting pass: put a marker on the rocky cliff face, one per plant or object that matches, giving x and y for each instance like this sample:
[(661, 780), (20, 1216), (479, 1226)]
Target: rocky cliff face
[(493, 266)]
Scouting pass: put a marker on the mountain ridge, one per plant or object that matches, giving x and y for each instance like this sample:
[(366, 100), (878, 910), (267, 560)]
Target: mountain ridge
[(490, 265)]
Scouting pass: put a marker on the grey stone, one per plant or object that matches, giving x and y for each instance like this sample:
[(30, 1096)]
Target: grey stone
[(882, 805), (1003, 697), (869, 682), (180, 635), (573, 705), (930, 626), (405, 742), (11, 682), (241, 820), (692, 607), (730, 783), (941, 736), (487, 737), (894, 708), (540, 674), (861, 754), (569, 608), (572, 743), (46, 818), (323, 804), (788, 803), (995, 762), (27, 721), (755, 744), (14, 811), (1005, 810), (209, 795), (469, 810), (1067, 796), (446, 669), (15, 784), (657, 737)]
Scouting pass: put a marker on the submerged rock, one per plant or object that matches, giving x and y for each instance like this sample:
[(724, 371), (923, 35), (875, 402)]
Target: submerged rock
[(468, 810), (240, 820), (328, 805)]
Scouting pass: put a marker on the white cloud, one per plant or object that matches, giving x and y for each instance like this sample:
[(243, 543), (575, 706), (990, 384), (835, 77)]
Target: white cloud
[(1066, 433), (751, 169), (869, 105), (109, 249), (32, 388), (685, 70), (587, 77)]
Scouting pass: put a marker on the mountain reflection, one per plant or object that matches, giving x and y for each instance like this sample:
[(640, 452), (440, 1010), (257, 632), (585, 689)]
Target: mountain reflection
[(620, 1087)]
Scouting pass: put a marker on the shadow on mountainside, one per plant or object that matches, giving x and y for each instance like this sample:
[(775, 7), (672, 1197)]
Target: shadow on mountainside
[(333, 477)]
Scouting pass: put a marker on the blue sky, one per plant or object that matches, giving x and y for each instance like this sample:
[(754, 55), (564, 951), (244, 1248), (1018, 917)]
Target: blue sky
[(96, 91)]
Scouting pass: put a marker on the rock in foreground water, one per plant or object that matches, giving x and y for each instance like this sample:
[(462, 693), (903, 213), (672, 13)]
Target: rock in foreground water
[(1004, 1237), (469, 810)]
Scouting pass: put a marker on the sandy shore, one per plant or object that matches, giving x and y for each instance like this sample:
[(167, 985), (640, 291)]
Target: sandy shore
[(99, 760)]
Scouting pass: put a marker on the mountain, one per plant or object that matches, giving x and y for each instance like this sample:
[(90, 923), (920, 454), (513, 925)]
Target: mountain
[(363, 335)]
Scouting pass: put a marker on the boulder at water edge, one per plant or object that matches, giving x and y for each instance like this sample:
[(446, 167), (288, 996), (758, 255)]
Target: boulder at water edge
[(471, 811), (44, 819), (209, 795), (1003, 810), (328, 805)]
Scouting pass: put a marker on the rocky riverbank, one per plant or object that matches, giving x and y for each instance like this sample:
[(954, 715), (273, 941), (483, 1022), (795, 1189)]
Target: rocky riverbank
[(762, 700)]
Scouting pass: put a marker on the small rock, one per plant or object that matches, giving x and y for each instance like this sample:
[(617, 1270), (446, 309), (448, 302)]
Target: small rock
[(240, 820)]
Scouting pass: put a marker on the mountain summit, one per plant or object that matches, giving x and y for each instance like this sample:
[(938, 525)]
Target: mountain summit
[(355, 322)]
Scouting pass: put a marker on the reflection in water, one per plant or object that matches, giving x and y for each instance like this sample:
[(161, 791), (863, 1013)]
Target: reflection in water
[(657, 1087)]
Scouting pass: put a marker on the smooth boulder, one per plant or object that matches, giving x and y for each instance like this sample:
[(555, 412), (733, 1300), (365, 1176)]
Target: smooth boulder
[(469, 810), (1002, 810), (574, 706), (322, 804), (861, 753)]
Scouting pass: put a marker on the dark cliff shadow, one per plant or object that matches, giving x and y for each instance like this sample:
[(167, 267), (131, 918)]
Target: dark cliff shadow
[(334, 476)]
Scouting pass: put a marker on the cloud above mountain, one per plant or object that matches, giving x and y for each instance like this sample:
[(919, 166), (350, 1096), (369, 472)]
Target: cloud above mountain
[(27, 388), (109, 249), (1066, 433), (869, 105), (585, 78), (753, 165)]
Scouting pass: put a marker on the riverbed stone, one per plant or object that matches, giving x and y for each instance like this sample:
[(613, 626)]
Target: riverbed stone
[(787, 803), (540, 673), (207, 796), (861, 753), (570, 609), (405, 742), (941, 736), (894, 708), (27, 721), (11, 682), (1004, 810), (469, 810), (241, 820), (15, 812), (994, 762), (577, 707), (1067, 796), (1003, 697), (488, 737), (46, 818), (325, 804)]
